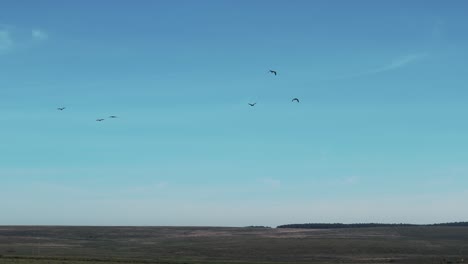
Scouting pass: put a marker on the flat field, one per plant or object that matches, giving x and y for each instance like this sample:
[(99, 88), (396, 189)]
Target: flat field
[(112, 245)]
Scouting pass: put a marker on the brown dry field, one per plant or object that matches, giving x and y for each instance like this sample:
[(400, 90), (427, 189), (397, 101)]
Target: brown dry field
[(106, 245)]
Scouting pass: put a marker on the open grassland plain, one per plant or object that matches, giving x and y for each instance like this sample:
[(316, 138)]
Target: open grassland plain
[(122, 245)]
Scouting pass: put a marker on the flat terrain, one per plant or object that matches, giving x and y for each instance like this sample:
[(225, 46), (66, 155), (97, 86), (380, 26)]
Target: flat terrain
[(106, 245)]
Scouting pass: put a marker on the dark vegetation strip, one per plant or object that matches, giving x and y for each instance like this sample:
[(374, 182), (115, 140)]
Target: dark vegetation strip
[(362, 225), (65, 260), (84, 259)]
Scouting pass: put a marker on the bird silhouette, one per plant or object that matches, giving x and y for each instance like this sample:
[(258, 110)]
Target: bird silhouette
[(100, 119), (252, 104), (61, 108), (112, 116), (295, 99), (272, 71)]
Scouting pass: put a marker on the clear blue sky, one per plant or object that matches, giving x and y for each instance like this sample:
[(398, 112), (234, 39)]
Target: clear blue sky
[(380, 134)]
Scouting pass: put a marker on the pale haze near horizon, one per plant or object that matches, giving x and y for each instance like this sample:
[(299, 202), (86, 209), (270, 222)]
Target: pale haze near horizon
[(380, 134)]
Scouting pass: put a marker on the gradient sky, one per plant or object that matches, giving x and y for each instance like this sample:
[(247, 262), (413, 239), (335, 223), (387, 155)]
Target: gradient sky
[(380, 135)]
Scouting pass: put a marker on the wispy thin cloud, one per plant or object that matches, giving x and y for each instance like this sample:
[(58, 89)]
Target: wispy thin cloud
[(395, 64), (38, 34), (349, 180), (438, 28), (6, 41), (398, 63), (146, 189), (13, 38), (271, 183)]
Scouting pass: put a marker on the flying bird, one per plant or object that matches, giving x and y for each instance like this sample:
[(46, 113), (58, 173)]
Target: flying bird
[(272, 71), (61, 108), (252, 104), (295, 99), (112, 116), (100, 119)]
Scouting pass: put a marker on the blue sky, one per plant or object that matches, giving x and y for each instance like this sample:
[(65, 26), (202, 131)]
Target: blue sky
[(380, 134)]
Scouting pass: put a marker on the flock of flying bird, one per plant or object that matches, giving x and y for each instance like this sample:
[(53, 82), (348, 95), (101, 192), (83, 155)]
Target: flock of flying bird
[(251, 104), (98, 120), (275, 73)]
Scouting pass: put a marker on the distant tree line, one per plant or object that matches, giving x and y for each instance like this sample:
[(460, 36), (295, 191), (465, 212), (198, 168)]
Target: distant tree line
[(258, 227), (362, 225), (452, 224)]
